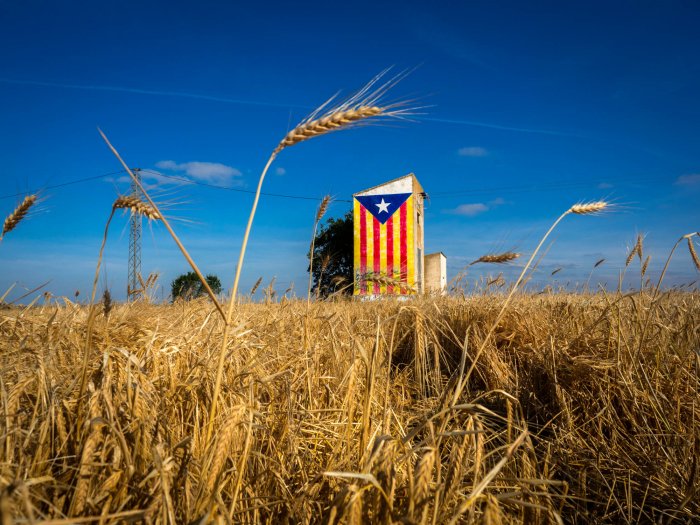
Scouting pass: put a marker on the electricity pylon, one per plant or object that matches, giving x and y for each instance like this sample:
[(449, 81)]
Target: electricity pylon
[(133, 288)]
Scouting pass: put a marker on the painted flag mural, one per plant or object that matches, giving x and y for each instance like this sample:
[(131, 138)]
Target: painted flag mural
[(384, 244)]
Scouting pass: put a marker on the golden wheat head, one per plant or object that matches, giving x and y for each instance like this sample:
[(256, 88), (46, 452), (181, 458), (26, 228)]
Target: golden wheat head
[(323, 207), (387, 281), (255, 286), (588, 208), (364, 105), (496, 258), (136, 205), (693, 253), (19, 213)]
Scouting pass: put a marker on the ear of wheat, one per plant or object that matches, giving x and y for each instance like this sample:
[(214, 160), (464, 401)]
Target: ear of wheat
[(588, 208), (639, 247), (364, 105), (496, 258), (387, 281), (323, 207), (19, 213), (693, 253), (136, 205), (630, 256), (255, 286), (598, 263)]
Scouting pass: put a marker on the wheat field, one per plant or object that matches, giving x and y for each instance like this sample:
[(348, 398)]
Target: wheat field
[(501, 406), (581, 408)]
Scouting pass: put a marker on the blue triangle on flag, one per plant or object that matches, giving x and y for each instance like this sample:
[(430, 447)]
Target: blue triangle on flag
[(383, 206)]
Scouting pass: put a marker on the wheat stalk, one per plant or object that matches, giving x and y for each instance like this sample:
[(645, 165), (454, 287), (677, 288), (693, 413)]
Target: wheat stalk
[(165, 222), (688, 237), (322, 208), (19, 213), (578, 209), (346, 115)]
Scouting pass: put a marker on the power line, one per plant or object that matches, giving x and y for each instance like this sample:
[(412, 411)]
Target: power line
[(77, 181), (545, 185)]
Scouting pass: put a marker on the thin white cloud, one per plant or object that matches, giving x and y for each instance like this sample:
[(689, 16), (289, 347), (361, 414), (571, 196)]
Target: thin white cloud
[(210, 172), (688, 180), (280, 171), (139, 91), (475, 208), (604, 186), (472, 151), (470, 210)]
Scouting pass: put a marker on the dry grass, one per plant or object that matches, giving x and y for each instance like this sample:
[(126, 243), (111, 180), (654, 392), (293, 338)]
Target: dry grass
[(572, 412)]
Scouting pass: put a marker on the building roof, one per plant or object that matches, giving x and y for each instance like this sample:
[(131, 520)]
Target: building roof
[(417, 188)]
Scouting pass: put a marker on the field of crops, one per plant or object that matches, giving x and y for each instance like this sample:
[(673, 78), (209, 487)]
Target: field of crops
[(577, 408)]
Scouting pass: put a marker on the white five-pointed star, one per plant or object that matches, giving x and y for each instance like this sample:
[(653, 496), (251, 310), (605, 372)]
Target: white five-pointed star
[(383, 206)]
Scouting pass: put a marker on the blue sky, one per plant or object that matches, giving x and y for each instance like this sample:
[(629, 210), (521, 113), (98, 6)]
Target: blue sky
[(532, 108)]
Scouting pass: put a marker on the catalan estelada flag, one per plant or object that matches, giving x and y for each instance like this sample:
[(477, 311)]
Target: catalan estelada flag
[(384, 247)]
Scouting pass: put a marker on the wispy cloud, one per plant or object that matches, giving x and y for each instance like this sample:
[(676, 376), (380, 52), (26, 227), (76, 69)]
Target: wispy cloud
[(472, 151), (226, 100), (210, 172), (280, 171), (604, 186), (470, 210), (475, 208), (690, 179), (139, 91), (502, 127)]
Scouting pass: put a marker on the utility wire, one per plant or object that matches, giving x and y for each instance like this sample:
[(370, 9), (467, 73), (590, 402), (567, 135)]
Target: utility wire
[(503, 189), (77, 181), (547, 185)]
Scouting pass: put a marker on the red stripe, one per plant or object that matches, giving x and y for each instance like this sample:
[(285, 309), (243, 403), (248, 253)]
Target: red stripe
[(377, 251), (390, 252), (404, 247), (363, 249)]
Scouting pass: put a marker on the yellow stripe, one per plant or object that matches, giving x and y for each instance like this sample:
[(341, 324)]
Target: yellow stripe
[(410, 242), (382, 255), (356, 230), (396, 270), (370, 249)]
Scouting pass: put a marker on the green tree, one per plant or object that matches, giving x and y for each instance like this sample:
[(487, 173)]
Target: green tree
[(333, 257), (188, 286)]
